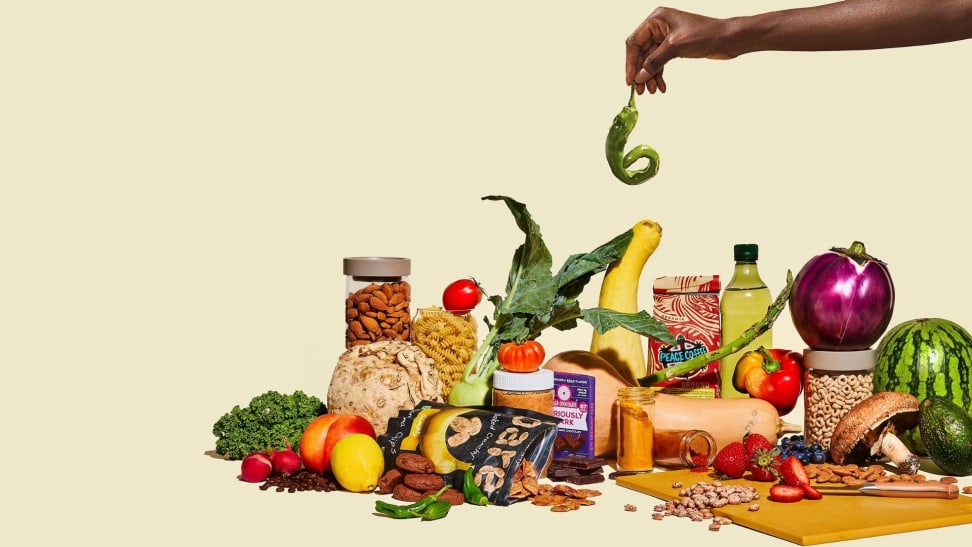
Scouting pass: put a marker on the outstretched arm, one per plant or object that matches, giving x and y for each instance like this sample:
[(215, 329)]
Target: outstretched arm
[(847, 25)]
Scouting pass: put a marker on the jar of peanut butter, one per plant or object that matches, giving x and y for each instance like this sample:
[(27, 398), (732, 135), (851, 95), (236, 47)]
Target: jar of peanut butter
[(526, 390)]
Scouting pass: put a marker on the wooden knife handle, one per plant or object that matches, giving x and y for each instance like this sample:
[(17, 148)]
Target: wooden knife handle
[(923, 489)]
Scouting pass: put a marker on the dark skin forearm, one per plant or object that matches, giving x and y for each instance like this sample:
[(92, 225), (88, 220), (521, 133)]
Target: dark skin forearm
[(847, 25), (856, 25)]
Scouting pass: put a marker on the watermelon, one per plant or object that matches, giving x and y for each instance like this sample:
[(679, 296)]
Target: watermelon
[(925, 357)]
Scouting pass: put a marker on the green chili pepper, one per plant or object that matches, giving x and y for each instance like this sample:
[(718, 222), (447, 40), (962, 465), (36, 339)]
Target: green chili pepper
[(411, 510), (472, 492), (437, 510), (617, 139)]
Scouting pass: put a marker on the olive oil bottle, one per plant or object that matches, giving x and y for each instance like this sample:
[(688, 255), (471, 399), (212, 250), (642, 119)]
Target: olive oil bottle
[(744, 302)]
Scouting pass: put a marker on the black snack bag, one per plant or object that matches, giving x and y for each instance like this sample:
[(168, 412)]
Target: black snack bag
[(495, 441)]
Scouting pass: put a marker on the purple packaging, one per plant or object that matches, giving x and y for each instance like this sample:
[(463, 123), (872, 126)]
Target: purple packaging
[(574, 406)]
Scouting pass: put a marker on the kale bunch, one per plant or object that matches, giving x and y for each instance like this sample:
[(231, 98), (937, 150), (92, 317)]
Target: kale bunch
[(271, 420)]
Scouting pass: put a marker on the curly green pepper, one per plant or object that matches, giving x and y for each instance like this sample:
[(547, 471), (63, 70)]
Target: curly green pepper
[(418, 509), (437, 510), (617, 139), (472, 492)]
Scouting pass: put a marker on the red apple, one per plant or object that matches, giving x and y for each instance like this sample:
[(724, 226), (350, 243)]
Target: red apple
[(324, 432)]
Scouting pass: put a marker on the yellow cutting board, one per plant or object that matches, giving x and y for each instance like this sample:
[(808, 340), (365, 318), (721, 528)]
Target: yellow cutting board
[(836, 517)]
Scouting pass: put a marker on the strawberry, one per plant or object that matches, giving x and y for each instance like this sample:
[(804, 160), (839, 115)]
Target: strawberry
[(764, 465), (731, 461), (794, 473), (755, 441), (786, 493), (764, 458), (811, 493)]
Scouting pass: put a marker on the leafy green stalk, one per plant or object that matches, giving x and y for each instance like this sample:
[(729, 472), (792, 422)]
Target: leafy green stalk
[(537, 299), (750, 334)]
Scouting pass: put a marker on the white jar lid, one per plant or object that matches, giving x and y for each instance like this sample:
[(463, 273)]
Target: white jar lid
[(839, 361), (539, 380)]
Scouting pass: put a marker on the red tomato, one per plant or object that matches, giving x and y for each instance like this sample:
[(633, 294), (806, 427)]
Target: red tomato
[(461, 296), (525, 357)]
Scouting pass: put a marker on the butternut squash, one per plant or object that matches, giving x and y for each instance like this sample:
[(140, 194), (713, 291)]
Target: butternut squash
[(620, 347), (726, 420)]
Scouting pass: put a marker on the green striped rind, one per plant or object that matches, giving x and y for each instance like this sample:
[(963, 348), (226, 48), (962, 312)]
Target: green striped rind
[(926, 357)]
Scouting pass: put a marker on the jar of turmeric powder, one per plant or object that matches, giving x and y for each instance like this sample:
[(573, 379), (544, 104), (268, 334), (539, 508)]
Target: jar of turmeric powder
[(636, 428)]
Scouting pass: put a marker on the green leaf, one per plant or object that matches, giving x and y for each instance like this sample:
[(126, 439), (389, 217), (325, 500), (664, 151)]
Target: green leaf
[(603, 320), (579, 268), (530, 286), (564, 314), (515, 329)]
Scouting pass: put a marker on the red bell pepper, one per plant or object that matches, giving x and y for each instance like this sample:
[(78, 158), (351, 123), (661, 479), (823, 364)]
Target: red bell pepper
[(774, 375)]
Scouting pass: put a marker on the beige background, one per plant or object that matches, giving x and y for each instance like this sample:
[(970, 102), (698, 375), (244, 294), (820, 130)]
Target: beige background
[(182, 179)]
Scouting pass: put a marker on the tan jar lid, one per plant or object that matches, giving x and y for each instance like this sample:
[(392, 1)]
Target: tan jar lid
[(377, 266), (839, 361)]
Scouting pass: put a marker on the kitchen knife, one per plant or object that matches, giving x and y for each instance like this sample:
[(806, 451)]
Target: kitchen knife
[(923, 489)]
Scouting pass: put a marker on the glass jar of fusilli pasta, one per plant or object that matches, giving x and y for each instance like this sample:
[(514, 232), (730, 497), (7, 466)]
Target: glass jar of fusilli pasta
[(449, 339)]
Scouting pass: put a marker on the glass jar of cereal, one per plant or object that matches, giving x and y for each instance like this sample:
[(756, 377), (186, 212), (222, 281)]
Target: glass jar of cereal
[(835, 382)]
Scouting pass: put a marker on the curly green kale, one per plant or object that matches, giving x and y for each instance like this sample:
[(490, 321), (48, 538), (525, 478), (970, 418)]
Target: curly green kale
[(271, 420)]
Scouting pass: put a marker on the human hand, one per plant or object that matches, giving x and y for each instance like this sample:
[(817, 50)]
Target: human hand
[(666, 34)]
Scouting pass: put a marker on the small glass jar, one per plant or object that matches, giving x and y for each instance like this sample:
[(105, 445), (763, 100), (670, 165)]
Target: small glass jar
[(835, 382), (636, 429), (526, 390), (378, 299), (689, 449), (447, 338)]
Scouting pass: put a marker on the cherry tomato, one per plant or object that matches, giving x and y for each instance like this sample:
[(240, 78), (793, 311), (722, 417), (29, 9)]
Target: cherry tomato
[(461, 296), (525, 357)]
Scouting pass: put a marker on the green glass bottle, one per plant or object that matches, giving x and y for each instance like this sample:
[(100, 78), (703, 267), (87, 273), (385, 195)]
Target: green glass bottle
[(744, 302)]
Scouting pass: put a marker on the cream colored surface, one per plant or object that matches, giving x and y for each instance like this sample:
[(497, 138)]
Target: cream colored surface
[(181, 180)]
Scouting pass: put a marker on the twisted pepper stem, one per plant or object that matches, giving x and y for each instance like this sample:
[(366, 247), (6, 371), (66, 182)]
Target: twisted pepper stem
[(617, 139), (726, 350)]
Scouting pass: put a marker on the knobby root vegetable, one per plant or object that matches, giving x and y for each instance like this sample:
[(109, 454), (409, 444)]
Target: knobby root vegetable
[(377, 380)]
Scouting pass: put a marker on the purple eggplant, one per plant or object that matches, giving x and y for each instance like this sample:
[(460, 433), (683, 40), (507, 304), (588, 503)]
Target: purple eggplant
[(842, 300)]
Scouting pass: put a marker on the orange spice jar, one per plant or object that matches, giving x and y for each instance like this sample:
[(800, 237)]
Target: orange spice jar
[(636, 429)]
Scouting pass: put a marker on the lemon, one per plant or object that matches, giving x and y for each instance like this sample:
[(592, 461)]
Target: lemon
[(357, 462)]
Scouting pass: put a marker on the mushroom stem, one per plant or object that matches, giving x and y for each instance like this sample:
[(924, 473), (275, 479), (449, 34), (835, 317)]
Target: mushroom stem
[(896, 451)]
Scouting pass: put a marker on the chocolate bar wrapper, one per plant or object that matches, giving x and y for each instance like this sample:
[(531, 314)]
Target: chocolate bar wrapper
[(574, 406)]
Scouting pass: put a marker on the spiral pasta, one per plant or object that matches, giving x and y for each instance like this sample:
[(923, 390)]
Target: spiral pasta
[(448, 339)]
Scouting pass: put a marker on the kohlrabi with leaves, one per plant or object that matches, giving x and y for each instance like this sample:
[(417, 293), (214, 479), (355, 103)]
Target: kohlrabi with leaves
[(536, 298)]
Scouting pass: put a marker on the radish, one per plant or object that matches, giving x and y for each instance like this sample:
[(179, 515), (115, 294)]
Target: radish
[(286, 461), (256, 467)]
